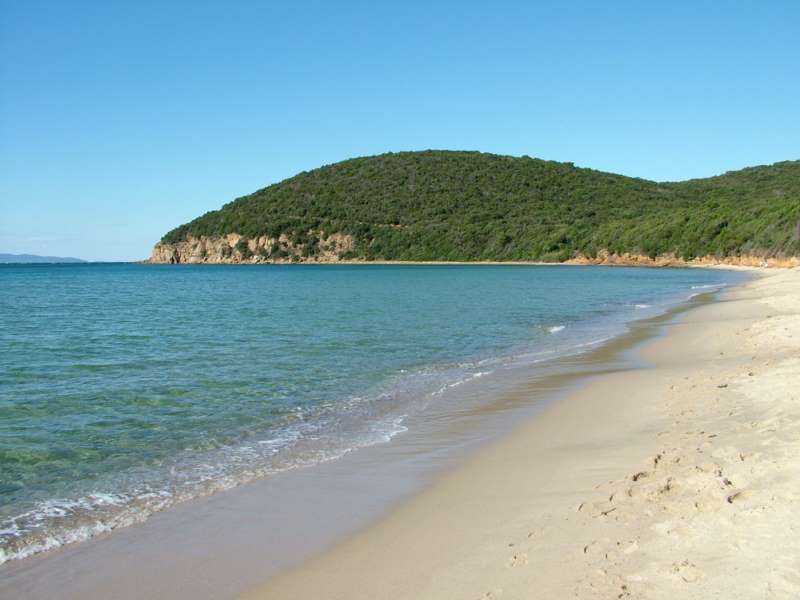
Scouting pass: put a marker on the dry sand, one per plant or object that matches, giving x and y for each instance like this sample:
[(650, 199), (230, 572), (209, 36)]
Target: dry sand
[(681, 480)]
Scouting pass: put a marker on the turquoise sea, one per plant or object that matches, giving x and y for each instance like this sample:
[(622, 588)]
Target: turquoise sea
[(126, 388)]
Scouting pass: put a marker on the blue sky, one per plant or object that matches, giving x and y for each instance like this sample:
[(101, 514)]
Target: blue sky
[(121, 120)]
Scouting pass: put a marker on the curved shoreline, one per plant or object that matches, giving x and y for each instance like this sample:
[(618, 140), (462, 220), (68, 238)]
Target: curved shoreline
[(680, 485), (108, 507), (246, 558)]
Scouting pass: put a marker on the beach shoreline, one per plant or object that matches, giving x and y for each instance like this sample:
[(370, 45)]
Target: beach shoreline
[(271, 524), (454, 486), (680, 486)]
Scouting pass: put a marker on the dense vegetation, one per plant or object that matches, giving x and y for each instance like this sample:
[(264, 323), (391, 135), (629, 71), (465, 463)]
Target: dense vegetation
[(443, 205)]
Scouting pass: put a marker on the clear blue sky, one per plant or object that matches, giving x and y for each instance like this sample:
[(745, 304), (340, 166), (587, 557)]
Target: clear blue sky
[(121, 120)]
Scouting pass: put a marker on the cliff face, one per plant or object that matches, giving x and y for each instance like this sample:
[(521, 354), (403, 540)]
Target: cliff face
[(236, 249), (670, 260)]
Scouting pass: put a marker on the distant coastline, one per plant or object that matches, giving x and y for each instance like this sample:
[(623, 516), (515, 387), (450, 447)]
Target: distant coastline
[(24, 259)]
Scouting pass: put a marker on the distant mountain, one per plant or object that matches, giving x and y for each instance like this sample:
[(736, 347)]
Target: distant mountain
[(33, 258), (470, 206)]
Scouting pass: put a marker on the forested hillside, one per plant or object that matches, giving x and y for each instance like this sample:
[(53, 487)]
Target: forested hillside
[(465, 206)]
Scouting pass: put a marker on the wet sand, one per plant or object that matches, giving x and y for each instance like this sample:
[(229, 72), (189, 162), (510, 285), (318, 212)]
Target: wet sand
[(674, 481)]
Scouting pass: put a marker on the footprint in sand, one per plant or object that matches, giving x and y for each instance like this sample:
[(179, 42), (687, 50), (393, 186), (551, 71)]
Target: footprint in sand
[(687, 571), (739, 496), (518, 560), (632, 547)]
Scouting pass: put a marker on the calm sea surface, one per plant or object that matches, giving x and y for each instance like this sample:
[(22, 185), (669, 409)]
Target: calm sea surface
[(126, 388)]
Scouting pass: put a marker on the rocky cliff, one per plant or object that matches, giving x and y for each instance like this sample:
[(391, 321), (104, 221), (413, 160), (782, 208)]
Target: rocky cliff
[(670, 260), (236, 249), (337, 248)]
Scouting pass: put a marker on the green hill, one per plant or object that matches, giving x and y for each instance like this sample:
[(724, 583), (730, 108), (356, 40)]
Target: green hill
[(465, 206)]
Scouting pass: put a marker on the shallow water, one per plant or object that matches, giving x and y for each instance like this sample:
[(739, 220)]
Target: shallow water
[(127, 388)]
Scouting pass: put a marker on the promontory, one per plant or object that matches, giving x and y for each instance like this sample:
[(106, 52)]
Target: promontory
[(476, 207)]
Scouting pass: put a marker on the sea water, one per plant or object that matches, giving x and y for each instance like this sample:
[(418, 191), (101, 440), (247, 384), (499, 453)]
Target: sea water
[(126, 388)]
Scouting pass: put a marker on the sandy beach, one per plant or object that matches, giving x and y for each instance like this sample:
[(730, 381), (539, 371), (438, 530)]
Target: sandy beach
[(678, 480), (431, 301)]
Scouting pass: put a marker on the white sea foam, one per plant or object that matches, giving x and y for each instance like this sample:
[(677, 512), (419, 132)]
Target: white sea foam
[(593, 342), (708, 286), (88, 508), (54, 523), (468, 378), (640, 306), (556, 328), (397, 428)]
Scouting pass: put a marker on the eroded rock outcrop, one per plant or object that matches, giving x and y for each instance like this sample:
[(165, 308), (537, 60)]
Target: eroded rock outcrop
[(337, 247), (604, 257), (236, 249)]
